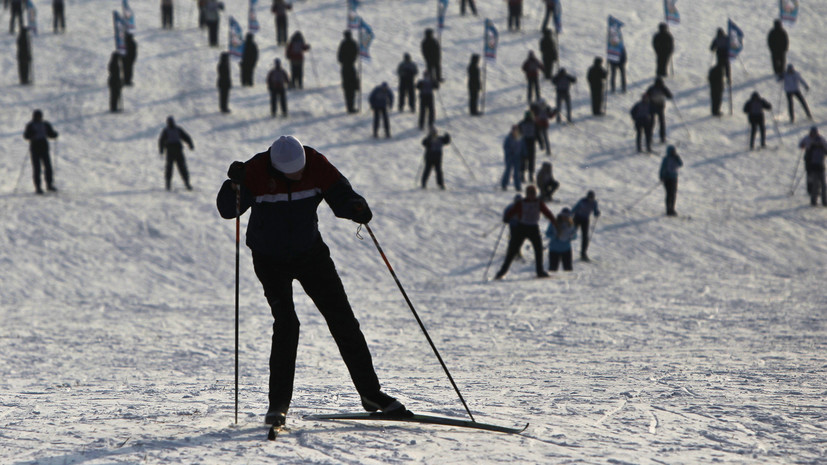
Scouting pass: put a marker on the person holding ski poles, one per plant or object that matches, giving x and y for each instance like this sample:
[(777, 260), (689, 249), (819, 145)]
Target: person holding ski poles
[(283, 187), (815, 150), (527, 212), (38, 132), (581, 212)]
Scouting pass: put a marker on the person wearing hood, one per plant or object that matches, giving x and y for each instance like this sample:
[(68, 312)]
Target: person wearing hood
[(597, 83), (664, 45), (532, 67), (792, 87), (24, 56), (581, 213), (407, 71), (474, 85), (669, 177), (543, 114), (641, 114), (277, 82), (172, 141), (548, 51), (129, 58), (114, 82), (528, 128), (815, 150), (716, 89), (527, 212), (546, 184), (433, 144), (754, 108), (380, 99), (432, 54), (224, 82), (658, 95), (560, 236), (279, 10), (283, 187), (562, 85), (720, 45), (38, 132), (347, 55), (778, 43), (249, 58), (295, 51)]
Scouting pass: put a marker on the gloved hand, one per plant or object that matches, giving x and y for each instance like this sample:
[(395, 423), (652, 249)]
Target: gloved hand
[(361, 211), (236, 172)]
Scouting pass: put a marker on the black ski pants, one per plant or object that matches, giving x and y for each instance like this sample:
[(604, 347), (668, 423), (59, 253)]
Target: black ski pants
[(39, 151), (316, 273), (756, 123), (433, 162), (381, 113), (583, 223), (406, 91), (671, 187), (519, 233), (175, 155), (614, 68), (280, 96), (643, 128), (816, 185), (554, 259), (166, 16), (797, 94), (426, 105), (297, 74)]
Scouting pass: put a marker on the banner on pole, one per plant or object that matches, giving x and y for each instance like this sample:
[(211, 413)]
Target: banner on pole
[(614, 40), (670, 10), (252, 20), (441, 8), (490, 37), (736, 39), (788, 10), (128, 16), (352, 16), (120, 32), (558, 16), (365, 38), (31, 17), (236, 43)]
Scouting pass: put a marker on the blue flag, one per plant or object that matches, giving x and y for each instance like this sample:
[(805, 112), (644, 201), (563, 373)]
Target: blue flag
[(128, 16), (31, 17), (788, 10), (352, 17), (120, 33), (236, 45), (365, 38), (736, 39), (614, 40), (671, 11), (441, 8), (490, 38), (558, 16), (252, 19)]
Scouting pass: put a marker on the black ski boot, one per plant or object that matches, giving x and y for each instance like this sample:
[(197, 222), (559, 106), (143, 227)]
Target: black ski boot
[(387, 404)]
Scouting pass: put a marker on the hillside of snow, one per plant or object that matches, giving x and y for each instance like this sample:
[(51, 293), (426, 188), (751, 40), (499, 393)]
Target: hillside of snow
[(695, 339)]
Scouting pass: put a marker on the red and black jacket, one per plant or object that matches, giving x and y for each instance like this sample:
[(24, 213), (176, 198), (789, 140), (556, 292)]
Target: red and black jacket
[(283, 222)]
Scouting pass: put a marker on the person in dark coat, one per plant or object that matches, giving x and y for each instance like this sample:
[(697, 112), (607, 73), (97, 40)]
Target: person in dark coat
[(792, 87), (513, 156), (171, 140), (543, 113), (24, 56), (115, 82), (531, 67), (224, 82), (16, 12), (658, 95), (433, 144), (283, 254), (551, 5), (38, 132), (664, 45), (562, 85), (474, 85), (528, 128), (347, 55), (277, 82), (669, 177), (58, 16), (249, 58), (166, 14), (295, 51), (129, 58), (279, 9), (779, 43), (720, 45), (597, 83), (432, 54), (407, 71), (548, 51), (618, 64), (212, 17), (642, 116), (380, 99), (754, 108), (470, 5), (581, 213), (716, 88), (426, 87), (527, 212), (515, 11), (546, 183), (815, 150)]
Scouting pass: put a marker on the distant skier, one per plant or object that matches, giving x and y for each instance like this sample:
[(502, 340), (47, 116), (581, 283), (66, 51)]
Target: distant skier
[(597, 83), (532, 67), (513, 154), (815, 150), (38, 132), (212, 17), (515, 11), (754, 108), (792, 86), (664, 45), (17, 7), (528, 128), (474, 85), (24, 56), (543, 114), (249, 58), (295, 51), (224, 82), (347, 55), (279, 9), (546, 184), (551, 5), (58, 16), (407, 71), (658, 95), (433, 144), (166, 14), (115, 82), (527, 212), (669, 177), (560, 236), (562, 85), (432, 53), (581, 212), (470, 5), (426, 87), (277, 82), (716, 89), (778, 43), (171, 140), (548, 51), (381, 99), (641, 114), (618, 64), (720, 45), (129, 58)]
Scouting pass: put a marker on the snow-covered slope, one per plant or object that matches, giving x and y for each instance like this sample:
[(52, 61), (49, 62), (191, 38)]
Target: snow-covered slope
[(687, 341)]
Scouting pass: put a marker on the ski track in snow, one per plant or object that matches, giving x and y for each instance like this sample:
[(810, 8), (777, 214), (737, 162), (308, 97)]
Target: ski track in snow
[(684, 342)]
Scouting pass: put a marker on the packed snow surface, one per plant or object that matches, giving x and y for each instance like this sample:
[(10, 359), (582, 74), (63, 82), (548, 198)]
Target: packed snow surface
[(696, 339)]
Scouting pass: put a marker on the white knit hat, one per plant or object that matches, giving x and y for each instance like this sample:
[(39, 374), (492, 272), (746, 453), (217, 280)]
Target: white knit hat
[(287, 154)]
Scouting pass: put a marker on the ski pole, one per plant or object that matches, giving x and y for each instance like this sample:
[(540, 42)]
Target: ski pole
[(493, 253), (22, 168), (643, 196), (683, 122), (795, 177), (237, 242), (594, 227), (418, 320), (775, 126)]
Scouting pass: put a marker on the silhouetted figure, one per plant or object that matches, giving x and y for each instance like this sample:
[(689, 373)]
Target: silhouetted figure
[(432, 54), (426, 87), (24, 56), (277, 82), (224, 83), (212, 16), (474, 85), (166, 14), (347, 55), (129, 58), (754, 108), (58, 16), (407, 71), (171, 140), (548, 51), (716, 88), (249, 58), (295, 51), (38, 132), (664, 45), (597, 79), (279, 9), (779, 43), (115, 82)]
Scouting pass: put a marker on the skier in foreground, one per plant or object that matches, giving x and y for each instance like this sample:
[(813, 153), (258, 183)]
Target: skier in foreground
[(284, 186)]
